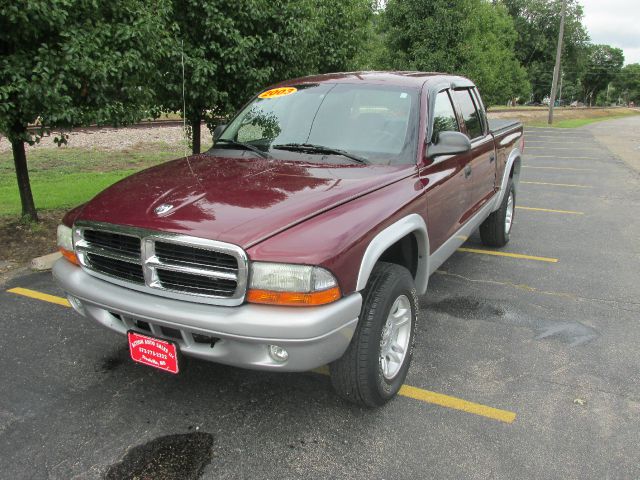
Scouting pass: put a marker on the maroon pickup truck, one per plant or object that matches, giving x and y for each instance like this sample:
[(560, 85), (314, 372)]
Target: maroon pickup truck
[(304, 236)]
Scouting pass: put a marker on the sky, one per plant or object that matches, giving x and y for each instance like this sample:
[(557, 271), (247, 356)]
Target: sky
[(616, 23)]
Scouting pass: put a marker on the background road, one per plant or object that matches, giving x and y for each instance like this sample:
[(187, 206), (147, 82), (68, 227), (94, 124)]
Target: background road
[(553, 340)]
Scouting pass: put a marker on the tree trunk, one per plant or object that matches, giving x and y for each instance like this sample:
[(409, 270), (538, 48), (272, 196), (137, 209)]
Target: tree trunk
[(24, 186), (195, 135)]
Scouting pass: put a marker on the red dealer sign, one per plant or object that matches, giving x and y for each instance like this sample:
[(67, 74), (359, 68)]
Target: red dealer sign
[(153, 352)]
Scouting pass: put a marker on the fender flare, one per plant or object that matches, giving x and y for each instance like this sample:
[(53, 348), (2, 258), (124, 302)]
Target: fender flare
[(412, 223), (514, 161)]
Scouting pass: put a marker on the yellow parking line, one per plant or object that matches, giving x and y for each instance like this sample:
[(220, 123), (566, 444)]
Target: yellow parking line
[(572, 212), (457, 404), (507, 254), (557, 184), (447, 401), (45, 297), (560, 168)]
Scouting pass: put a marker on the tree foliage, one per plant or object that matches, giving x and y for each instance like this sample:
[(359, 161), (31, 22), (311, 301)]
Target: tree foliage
[(603, 64), (537, 23), (65, 63), (627, 83), (469, 37), (231, 49)]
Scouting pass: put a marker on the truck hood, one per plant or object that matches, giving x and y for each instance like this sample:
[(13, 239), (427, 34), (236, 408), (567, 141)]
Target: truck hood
[(237, 200)]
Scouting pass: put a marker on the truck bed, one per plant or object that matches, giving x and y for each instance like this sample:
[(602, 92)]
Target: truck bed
[(499, 125)]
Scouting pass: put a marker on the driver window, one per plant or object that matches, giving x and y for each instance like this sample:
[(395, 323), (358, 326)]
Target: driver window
[(444, 116)]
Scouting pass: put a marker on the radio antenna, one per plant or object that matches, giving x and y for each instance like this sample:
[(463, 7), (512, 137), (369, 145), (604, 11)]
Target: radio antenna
[(184, 103)]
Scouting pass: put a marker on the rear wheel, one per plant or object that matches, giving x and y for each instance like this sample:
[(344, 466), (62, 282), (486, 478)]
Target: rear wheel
[(496, 229), (374, 367)]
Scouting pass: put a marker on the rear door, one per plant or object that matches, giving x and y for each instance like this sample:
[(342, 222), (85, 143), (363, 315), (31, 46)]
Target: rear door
[(483, 164), (446, 178)]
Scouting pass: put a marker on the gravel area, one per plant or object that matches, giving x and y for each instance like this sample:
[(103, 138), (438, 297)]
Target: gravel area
[(116, 138)]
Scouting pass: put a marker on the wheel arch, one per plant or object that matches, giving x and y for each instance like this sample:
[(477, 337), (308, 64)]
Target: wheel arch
[(392, 239), (511, 172)]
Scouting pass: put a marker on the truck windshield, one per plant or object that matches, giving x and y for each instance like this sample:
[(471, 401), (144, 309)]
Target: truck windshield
[(367, 123)]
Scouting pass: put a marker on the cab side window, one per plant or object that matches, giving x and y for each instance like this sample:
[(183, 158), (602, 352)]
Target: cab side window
[(469, 113), (444, 116)]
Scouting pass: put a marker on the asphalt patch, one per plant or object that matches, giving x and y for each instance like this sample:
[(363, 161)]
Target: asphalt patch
[(113, 361), (172, 457), (466, 307)]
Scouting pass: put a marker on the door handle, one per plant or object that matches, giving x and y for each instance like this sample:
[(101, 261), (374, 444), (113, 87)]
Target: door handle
[(467, 171)]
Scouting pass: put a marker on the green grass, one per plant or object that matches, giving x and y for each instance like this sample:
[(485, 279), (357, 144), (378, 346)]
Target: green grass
[(54, 190), (578, 122), (66, 177)]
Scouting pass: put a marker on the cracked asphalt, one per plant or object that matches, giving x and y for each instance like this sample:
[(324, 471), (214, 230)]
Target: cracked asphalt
[(555, 343)]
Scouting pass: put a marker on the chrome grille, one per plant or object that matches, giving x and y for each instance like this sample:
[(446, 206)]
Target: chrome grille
[(117, 268), (186, 282), (197, 257), (171, 265)]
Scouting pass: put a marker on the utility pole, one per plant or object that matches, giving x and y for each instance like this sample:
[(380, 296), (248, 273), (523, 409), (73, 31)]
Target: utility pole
[(556, 69)]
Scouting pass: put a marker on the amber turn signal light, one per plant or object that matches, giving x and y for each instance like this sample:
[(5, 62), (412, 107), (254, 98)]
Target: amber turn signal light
[(294, 299), (71, 256)]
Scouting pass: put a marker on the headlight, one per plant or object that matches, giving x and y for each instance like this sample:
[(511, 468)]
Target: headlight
[(287, 284), (65, 243)]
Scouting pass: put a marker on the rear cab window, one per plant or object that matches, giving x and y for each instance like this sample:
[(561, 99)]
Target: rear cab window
[(470, 113)]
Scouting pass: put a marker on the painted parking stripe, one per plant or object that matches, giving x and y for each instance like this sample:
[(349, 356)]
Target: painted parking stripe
[(457, 404), (557, 184), (406, 390), (507, 254), (45, 297), (447, 401), (560, 168), (536, 209)]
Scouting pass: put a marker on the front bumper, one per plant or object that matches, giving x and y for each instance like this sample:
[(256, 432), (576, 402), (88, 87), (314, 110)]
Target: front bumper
[(313, 336)]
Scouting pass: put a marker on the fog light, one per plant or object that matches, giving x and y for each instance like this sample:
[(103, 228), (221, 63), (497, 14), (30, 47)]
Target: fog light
[(76, 304), (279, 354)]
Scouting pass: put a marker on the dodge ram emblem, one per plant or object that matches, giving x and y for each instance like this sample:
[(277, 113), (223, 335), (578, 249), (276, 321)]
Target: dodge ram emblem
[(162, 209)]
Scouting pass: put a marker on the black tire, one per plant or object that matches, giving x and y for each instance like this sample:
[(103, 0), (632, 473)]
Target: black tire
[(357, 376), (493, 231)]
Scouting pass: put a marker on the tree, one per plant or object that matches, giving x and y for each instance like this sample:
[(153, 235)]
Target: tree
[(231, 49), (469, 37), (603, 65), (537, 23), (66, 63), (341, 31), (627, 83)]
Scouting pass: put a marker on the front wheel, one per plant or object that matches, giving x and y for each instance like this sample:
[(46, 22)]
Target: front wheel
[(374, 367), (496, 229)]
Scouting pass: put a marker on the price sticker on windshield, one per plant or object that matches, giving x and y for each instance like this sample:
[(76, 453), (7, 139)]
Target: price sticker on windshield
[(278, 92)]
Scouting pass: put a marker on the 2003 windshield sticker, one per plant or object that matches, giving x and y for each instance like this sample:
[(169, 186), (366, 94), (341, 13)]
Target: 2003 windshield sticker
[(278, 92)]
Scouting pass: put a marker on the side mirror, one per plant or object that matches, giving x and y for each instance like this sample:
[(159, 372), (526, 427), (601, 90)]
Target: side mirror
[(449, 143), (217, 132)]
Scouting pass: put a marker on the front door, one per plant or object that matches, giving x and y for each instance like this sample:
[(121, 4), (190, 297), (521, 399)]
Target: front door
[(446, 179)]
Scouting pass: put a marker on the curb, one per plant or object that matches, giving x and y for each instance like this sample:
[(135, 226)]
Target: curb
[(40, 264)]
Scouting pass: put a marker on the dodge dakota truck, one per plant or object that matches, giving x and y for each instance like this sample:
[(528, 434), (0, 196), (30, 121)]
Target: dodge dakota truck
[(305, 235)]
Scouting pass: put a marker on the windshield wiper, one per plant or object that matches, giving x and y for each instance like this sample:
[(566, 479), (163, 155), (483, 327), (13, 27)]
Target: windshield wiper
[(311, 148), (246, 146)]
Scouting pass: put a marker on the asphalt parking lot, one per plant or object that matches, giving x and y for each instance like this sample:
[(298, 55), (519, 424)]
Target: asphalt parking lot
[(526, 365)]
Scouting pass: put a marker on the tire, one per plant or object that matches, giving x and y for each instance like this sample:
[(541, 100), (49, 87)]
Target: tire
[(358, 376), (496, 229)]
